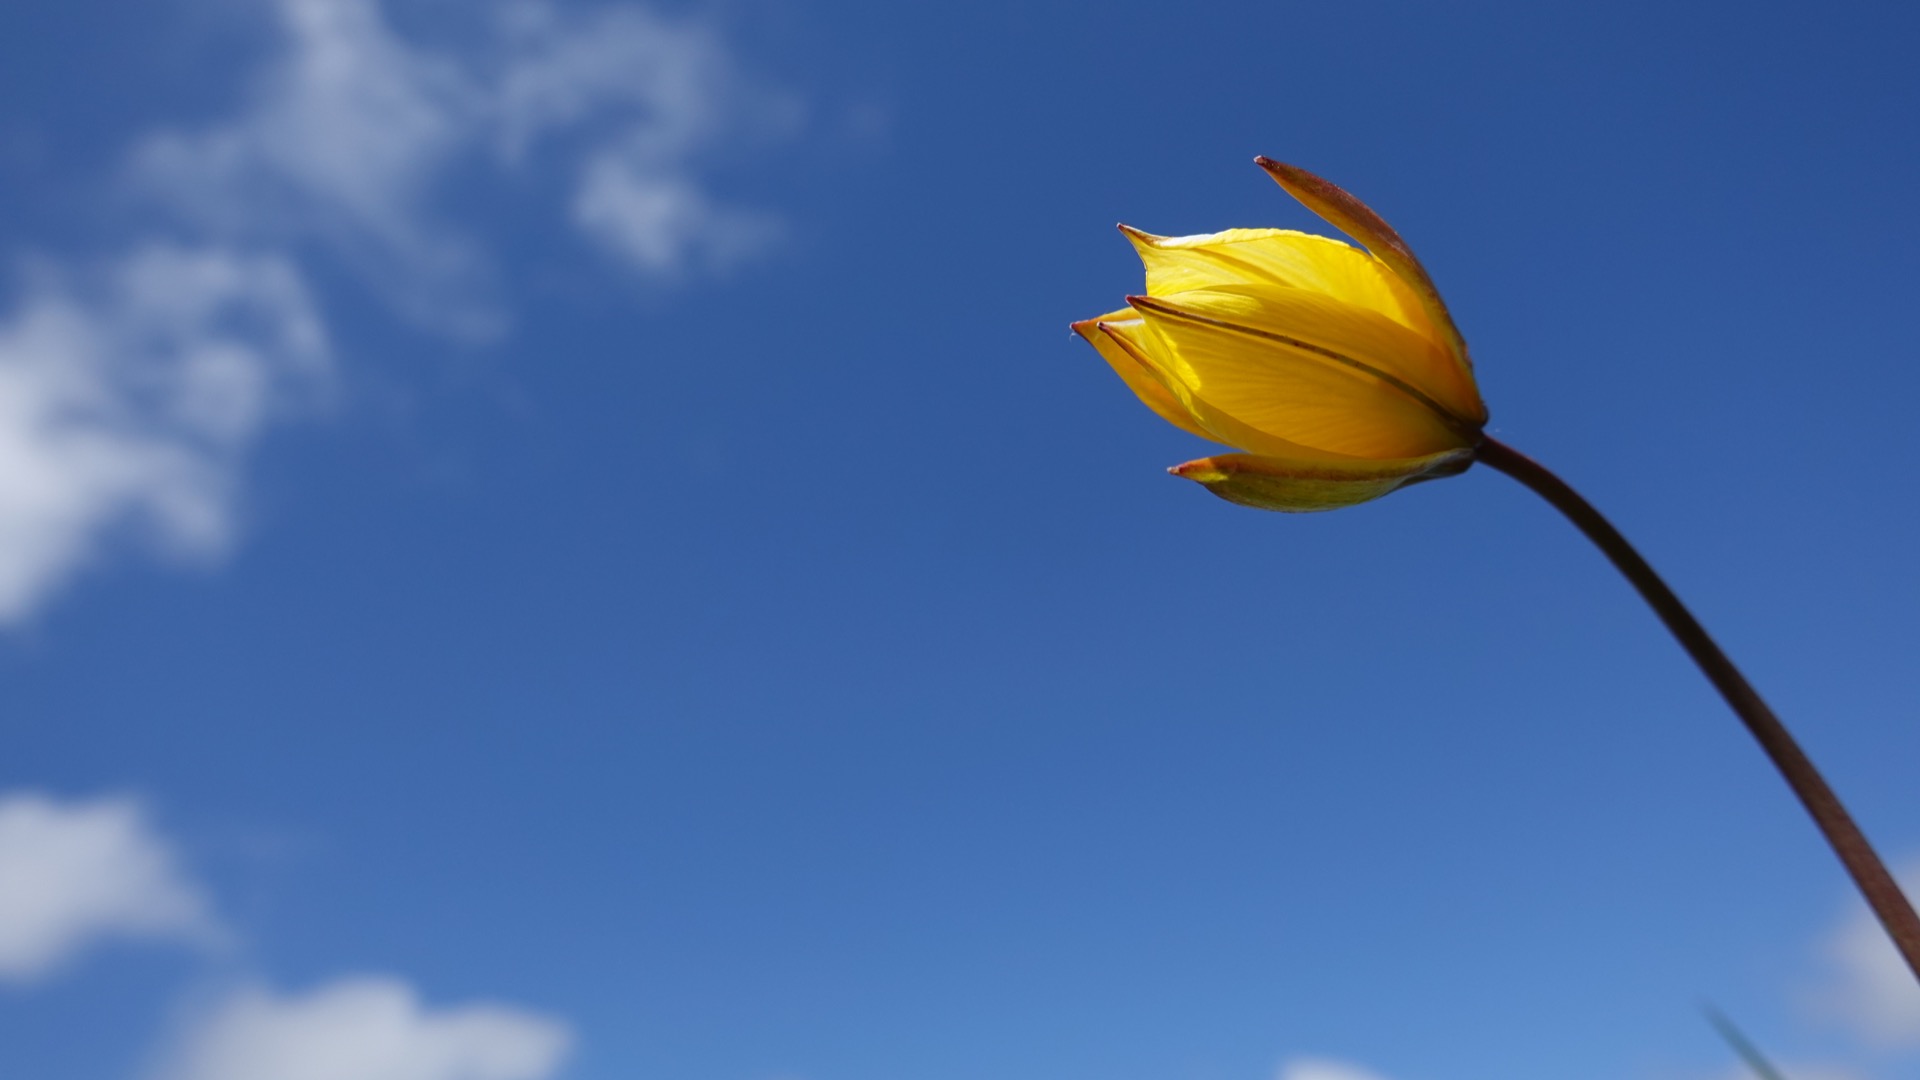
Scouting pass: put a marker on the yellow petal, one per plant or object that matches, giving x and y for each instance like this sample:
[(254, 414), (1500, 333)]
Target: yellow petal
[(1220, 349), (1130, 336), (1357, 219), (1279, 257), (1139, 377), (1302, 484), (1359, 337)]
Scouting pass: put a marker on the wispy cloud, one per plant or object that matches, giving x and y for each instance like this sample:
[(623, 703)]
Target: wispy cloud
[(346, 133), (1324, 1069), (671, 90), (133, 389), (130, 395), (367, 1028), (1868, 988), (77, 873), (352, 132)]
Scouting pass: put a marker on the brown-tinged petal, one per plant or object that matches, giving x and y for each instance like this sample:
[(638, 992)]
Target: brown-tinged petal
[(1297, 485), (1359, 221)]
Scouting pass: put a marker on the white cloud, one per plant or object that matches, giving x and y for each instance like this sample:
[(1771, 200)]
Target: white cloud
[(1324, 1069), (75, 873), (1870, 989), (671, 81), (672, 89), (133, 396), (130, 397), (345, 136), (366, 1028), (662, 223), (352, 132), (72, 874), (347, 122)]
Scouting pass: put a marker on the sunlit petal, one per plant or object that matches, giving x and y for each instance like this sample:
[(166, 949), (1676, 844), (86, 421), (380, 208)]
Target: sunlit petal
[(1291, 388), (1282, 257), (1137, 373), (1132, 337), (1357, 219), (1360, 337)]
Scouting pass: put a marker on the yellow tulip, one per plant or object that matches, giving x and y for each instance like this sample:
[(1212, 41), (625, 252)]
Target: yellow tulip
[(1337, 372), (1339, 376)]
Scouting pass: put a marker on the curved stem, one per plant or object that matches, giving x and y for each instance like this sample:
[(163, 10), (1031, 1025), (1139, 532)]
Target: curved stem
[(1891, 906)]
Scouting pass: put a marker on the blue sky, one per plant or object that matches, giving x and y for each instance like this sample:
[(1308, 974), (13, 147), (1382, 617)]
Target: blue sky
[(550, 540)]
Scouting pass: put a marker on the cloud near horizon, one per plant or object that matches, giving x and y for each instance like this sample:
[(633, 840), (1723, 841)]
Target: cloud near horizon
[(363, 1028), (80, 873), (1869, 989), (1324, 1069)]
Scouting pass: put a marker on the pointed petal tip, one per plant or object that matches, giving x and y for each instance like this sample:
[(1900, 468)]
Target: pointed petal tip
[(1087, 328), (1199, 470), (1105, 329), (1290, 176), (1141, 238)]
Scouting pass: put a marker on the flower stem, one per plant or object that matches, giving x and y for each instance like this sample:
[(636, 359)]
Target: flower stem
[(1889, 905)]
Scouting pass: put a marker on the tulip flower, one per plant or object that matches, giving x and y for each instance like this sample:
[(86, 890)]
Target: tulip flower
[(1337, 375), (1337, 372)]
